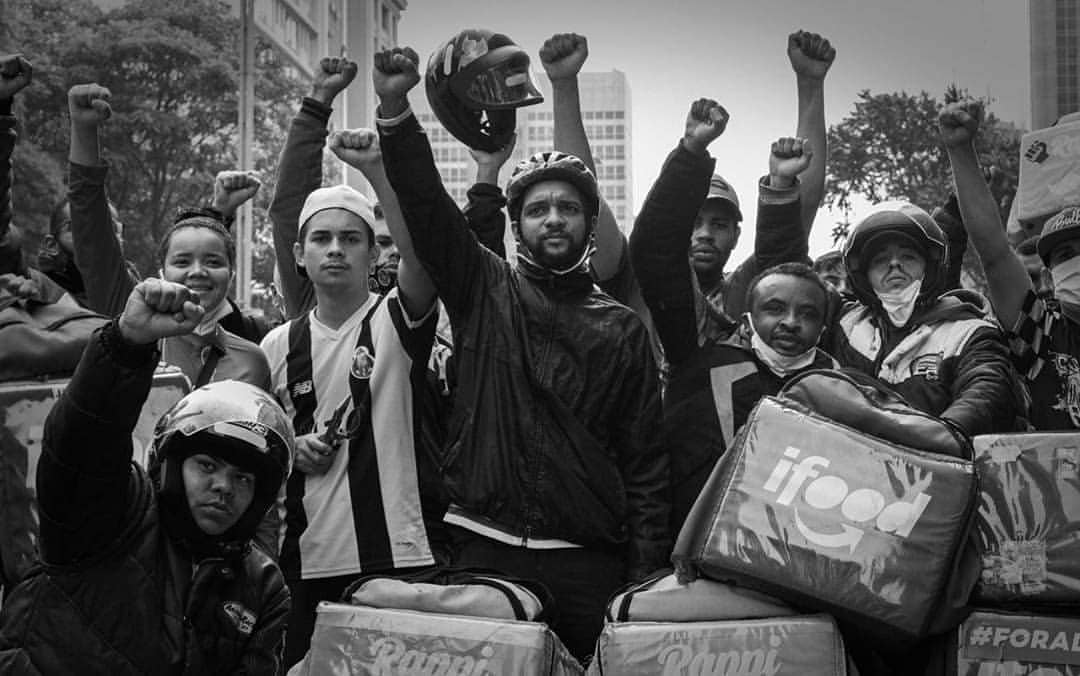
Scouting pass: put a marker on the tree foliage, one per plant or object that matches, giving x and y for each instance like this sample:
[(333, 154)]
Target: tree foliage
[(888, 148), (173, 70)]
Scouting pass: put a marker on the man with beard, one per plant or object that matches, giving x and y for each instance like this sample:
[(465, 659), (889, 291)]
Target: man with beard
[(554, 466)]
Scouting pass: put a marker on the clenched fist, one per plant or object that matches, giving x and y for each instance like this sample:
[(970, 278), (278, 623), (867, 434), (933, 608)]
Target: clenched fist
[(88, 104), (232, 189), (788, 158), (811, 55), (563, 55), (157, 309), (334, 75), (358, 148), (15, 74), (705, 123), (396, 71), (959, 123)]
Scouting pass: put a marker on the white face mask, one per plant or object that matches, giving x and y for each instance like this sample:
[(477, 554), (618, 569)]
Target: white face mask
[(1066, 276), (780, 364), (212, 317), (900, 304)]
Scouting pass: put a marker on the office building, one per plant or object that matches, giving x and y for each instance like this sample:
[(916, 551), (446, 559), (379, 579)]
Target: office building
[(1055, 59)]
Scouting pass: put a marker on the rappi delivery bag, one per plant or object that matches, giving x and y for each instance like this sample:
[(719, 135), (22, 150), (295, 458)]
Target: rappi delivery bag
[(808, 645), (1007, 644), (1028, 525), (831, 519)]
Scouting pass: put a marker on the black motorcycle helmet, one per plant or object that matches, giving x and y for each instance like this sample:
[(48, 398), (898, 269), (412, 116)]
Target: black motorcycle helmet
[(474, 83), (896, 218)]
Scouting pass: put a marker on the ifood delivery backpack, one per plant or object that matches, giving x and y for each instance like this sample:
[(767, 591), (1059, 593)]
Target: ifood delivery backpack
[(829, 518)]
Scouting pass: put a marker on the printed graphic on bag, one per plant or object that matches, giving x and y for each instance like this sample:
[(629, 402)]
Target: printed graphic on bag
[(860, 524), (1026, 644), (355, 640), (804, 646), (1028, 523)]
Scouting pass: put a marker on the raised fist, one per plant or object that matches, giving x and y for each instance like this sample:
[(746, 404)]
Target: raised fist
[(358, 148), (88, 104), (334, 74), (233, 188), (704, 124), (789, 157), (157, 309), (15, 73), (959, 122), (396, 71), (563, 54), (811, 55), (16, 286)]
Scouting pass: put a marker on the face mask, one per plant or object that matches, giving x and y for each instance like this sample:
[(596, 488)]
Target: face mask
[(1066, 276), (212, 317), (780, 364), (900, 304)]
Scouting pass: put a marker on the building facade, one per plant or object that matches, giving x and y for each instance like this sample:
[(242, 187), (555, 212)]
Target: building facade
[(605, 108), (1055, 59)]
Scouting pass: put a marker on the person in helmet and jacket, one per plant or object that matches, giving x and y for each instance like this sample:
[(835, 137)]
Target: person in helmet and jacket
[(152, 573), (940, 351), (554, 465)]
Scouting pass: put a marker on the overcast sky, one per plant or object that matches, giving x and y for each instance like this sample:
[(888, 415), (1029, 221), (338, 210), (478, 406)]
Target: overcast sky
[(735, 52)]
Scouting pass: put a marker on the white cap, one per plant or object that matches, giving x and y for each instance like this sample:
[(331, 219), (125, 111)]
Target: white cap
[(337, 197)]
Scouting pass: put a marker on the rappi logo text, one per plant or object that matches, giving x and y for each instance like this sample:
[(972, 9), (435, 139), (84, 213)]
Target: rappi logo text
[(861, 508)]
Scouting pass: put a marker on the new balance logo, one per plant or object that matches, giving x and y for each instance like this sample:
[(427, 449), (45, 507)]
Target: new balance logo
[(301, 388)]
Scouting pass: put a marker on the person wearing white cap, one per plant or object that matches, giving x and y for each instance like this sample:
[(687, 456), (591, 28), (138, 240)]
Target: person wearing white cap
[(1044, 329), (347, 370)]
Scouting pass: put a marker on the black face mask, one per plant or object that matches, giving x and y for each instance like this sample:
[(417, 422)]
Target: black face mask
[(383, 277)]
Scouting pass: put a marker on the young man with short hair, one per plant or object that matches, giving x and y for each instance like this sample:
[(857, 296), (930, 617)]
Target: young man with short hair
[(348, 371)]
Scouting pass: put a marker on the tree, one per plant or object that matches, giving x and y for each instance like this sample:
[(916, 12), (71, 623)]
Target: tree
[(173, 70), (888, 148)]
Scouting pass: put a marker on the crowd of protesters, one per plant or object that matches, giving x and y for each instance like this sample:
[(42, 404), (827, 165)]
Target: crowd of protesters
[(552, 414)]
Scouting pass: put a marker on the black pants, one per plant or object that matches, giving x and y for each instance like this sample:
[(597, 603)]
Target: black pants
[(581, 580), (306, 595)]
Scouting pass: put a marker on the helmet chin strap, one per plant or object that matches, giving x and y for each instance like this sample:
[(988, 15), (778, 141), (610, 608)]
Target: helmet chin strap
[(586, 253)]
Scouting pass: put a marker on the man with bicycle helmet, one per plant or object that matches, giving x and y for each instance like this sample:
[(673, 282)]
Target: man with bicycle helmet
[(554, 466), (152, 572)]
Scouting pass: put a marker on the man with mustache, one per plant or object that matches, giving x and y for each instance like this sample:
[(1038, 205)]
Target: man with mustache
[(554, 464)]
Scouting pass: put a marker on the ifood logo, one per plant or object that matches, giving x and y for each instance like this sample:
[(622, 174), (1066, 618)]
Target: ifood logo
[(862, 506)]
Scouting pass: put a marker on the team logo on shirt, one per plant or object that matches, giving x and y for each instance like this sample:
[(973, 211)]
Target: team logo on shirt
[(926, 365), (240, 616), (363, 362)]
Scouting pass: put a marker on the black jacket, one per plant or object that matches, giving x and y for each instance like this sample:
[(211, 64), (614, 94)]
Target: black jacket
[(528, 342), (114, 594)]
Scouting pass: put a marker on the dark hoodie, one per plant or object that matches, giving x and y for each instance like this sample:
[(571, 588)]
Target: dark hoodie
[(117, 591)]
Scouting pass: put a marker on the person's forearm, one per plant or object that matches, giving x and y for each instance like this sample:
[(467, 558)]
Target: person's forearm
[(811, 126), (85, 145), (98, 255), (570, 136)]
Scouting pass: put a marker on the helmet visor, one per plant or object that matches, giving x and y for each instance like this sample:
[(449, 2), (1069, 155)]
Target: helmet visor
[(508, 84)]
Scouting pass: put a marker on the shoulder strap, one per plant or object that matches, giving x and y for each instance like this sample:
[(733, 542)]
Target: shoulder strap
[(298, 374), (213, 356)]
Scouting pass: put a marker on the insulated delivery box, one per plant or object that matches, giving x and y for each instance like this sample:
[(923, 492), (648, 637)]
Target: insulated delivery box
[(24, 406), (1028, 524), (1001, 644), (782, 646), (354, 640), (831, 519)]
